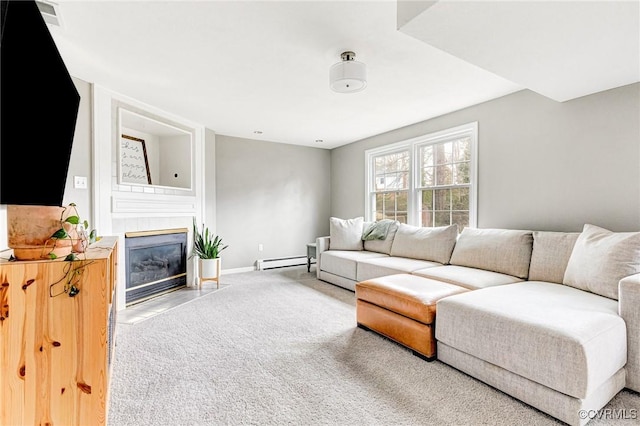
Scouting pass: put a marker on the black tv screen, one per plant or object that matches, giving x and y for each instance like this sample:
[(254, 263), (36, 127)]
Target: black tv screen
[(38, 109)]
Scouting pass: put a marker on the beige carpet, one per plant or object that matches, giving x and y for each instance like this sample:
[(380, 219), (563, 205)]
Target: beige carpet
[(282, 348)]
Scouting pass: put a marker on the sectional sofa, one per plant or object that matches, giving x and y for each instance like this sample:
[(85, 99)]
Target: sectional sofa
[(553, 318)]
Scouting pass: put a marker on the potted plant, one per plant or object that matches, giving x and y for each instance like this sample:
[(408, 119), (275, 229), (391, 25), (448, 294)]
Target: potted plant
[(46, 232), (207, 248)]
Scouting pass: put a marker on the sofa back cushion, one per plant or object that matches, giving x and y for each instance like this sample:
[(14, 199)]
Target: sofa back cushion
[(601, 258), (551, 252), (381, 246), (434, 244), (346, 234), (507, 251)]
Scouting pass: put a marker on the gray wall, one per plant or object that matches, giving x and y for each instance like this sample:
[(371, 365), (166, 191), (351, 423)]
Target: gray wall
[(542, 164), (175, 159), (269, 193), (80, 163)]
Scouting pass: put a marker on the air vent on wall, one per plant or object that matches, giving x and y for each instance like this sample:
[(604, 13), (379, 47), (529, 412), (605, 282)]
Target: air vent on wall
[(50, 12)]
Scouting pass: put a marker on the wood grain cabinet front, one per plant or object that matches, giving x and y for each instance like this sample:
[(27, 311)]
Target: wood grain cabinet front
[(57, 323)]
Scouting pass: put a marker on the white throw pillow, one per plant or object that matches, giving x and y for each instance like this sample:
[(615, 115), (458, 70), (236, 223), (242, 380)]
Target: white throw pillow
[(601, 258), (434, 244), (346, 234)]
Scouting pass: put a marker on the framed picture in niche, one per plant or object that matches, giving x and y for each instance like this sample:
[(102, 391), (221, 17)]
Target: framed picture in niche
[(134, 164)]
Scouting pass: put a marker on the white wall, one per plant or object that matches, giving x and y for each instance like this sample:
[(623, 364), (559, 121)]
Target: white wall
[(210, 218), (269, 193), (542, 164)]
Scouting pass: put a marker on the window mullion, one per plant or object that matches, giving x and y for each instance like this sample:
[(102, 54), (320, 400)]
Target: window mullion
[(411, 198)]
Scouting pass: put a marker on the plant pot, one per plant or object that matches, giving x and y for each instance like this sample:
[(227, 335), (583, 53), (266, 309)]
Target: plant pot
[(209, 268), (29, 229)]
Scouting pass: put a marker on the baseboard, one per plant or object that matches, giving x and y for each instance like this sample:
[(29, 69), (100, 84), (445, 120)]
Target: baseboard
[(237, 270)]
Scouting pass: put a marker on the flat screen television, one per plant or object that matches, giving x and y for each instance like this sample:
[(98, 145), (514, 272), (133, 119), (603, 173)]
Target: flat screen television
[(38, 109)]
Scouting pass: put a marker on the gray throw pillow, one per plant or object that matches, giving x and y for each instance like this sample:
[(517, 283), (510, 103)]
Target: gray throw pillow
[(434, 244), (507, 251), (551, 253)]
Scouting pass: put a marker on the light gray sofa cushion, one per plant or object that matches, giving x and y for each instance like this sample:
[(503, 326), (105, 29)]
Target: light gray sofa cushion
[(434, 244), (381, 266), (382, 246), (628, 303), (601, 258), (551, 252), (346, 234), (470, 278), (563, 407), (506, 251), (567, 339), (344, 262)]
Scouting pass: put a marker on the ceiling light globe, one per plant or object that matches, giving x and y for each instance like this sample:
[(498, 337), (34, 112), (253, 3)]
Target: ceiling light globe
[(348, 76)]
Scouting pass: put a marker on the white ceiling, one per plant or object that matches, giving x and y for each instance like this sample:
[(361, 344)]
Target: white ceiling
[(562, 49), (239, 66)]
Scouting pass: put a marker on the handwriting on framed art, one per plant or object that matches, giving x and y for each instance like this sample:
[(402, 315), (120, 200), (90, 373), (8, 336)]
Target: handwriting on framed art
[(134, 165)]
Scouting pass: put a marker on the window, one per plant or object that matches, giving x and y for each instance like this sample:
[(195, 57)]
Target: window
[(391, 177), (426, 181)]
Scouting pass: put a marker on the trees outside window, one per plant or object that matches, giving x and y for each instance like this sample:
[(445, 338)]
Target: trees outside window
[(427, 181), (391, 185)]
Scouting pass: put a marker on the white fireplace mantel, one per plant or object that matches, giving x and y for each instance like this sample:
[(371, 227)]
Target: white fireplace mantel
[(119, 208)]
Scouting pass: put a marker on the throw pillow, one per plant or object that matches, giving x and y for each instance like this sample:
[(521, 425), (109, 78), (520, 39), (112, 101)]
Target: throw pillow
[(382, 246), (601, 258), (377, 230), (551, 253), (507, 251), (434, 244), (346, 234)]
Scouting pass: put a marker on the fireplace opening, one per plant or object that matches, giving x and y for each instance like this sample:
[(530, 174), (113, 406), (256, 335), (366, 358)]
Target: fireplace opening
[(155, 262)]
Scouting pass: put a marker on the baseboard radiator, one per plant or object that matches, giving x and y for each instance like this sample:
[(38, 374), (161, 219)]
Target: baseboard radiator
[(281, 262)]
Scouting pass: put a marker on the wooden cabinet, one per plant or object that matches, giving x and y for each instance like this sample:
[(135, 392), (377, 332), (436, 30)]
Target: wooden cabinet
[(56, 349)]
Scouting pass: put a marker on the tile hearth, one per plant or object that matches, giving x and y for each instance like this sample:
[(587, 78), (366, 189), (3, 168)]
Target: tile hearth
[(149, 308)]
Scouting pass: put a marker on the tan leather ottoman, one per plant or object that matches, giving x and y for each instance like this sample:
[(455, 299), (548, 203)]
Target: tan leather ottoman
[(402, 307)]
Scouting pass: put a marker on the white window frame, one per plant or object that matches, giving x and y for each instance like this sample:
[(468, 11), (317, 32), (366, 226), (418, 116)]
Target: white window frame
[(370, 178), (413, 145)]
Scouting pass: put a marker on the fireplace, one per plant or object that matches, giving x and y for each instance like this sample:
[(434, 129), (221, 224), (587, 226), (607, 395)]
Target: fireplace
[(155, 263)]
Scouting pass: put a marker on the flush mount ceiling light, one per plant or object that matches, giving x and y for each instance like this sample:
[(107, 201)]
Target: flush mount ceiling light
[(348, 76)]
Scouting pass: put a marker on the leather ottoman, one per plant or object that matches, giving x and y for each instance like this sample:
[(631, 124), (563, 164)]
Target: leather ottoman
[(402, 307)]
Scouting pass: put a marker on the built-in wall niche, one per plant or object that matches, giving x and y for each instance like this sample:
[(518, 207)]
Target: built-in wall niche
[(153, 153)]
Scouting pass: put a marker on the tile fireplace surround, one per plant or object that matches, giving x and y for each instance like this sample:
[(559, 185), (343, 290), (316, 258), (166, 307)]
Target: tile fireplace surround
[(132, 226)]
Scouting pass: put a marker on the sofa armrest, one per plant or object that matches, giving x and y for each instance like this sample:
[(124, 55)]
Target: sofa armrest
[(322, 244), (628, 303)]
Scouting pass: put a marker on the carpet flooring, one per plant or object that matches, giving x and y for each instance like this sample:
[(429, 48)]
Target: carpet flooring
[(279, 347)]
